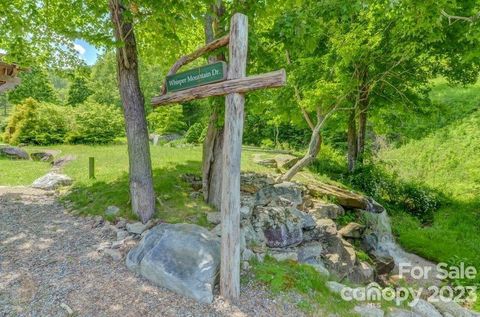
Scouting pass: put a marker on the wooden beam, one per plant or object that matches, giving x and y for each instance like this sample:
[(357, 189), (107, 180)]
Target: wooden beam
[(216, 44), (232, 154), (241, 85)]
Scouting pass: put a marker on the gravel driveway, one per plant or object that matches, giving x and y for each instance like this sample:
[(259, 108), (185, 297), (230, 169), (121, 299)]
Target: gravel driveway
[(50, 266)]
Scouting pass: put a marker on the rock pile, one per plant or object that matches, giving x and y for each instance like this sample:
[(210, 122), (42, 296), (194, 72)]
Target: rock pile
[(291, 221)]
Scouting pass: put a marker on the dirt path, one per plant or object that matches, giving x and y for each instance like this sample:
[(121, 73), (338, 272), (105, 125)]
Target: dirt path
[(49, 263)]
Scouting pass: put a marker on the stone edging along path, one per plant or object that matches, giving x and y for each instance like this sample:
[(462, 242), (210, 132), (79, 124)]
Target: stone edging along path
[(54, 264)]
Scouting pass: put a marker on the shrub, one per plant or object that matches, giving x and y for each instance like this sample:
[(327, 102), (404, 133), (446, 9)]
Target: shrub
[(194, 133), (267, 144), (166, 120), (33, 122), (417, 200), (95, 124)]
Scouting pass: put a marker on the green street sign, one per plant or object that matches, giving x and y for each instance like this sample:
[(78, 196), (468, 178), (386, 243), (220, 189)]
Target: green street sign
[(199, 76)]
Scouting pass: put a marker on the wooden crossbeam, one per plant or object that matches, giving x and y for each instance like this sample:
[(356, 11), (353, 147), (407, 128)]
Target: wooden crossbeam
[(242, 85)]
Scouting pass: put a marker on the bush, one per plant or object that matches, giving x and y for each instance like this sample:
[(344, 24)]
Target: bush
[(95, 124), (166, 120), (194, 133), (417, 200), (33, 122)]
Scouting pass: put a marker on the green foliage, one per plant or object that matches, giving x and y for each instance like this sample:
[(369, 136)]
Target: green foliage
[(34, 122), (165, 120), (349, 216), (415, 199), (35, 84), (78, 91), (95, 124), (103, 80), (194, 133), (374, 180)]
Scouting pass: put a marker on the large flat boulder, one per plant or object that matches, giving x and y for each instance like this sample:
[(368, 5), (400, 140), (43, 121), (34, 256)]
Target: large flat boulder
[(13, 153), (286, 161), (44, 155), (184, 258), (52, 181), (344, 197)]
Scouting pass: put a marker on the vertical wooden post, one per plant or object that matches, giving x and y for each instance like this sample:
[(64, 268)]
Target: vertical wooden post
[(232, 150), (91, 167)]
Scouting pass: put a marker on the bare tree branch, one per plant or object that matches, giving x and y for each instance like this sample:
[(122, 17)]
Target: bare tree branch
[(454, 18)]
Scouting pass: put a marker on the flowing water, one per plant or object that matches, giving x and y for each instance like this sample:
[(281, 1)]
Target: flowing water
[(381, 227)]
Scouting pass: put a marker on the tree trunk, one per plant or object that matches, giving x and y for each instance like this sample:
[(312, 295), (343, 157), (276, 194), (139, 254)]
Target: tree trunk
[(362, 127), (362, 116), (212, 161), (140, 166), (313, 150), (352, 140), (213, 144)]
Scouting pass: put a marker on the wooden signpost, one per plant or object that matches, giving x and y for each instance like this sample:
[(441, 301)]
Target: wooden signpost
[(234, 88)]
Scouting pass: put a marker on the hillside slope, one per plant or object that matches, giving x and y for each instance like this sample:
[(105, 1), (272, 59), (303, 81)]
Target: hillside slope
[(448, 160)]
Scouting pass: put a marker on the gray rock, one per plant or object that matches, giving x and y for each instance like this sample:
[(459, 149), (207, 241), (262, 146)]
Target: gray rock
[(265, 162), (320, 268), (247, 255), (425, 309), (286, 160), (322, 209), (52, 181), (325, 228), (396, 312), (352, 230), (308, 222), (184, 258), (137, 227), (309, 250), (286, 190), (335, 287), (345, 198), (454, 309), (279, 226), (384, 264), (368, 311), (113, 253), (282, 256), (362, 273), (373, 206), (14, 153), (214, 217), (340, 256), (44, 156), (112, 211), (252, 182), (121, 234), (217, 230)]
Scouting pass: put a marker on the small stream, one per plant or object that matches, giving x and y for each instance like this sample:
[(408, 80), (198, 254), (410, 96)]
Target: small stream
[(380, 225)]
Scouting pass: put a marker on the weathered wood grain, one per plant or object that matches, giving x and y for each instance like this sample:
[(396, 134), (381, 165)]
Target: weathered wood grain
[(241, 85), (232, 152)]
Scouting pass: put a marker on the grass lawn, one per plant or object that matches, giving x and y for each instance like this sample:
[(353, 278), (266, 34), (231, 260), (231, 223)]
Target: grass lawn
[(110, 187), (19, 172), (448, 160)]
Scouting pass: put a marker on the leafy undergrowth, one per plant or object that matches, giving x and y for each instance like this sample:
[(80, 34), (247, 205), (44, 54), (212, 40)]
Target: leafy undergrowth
[(287, 276)]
